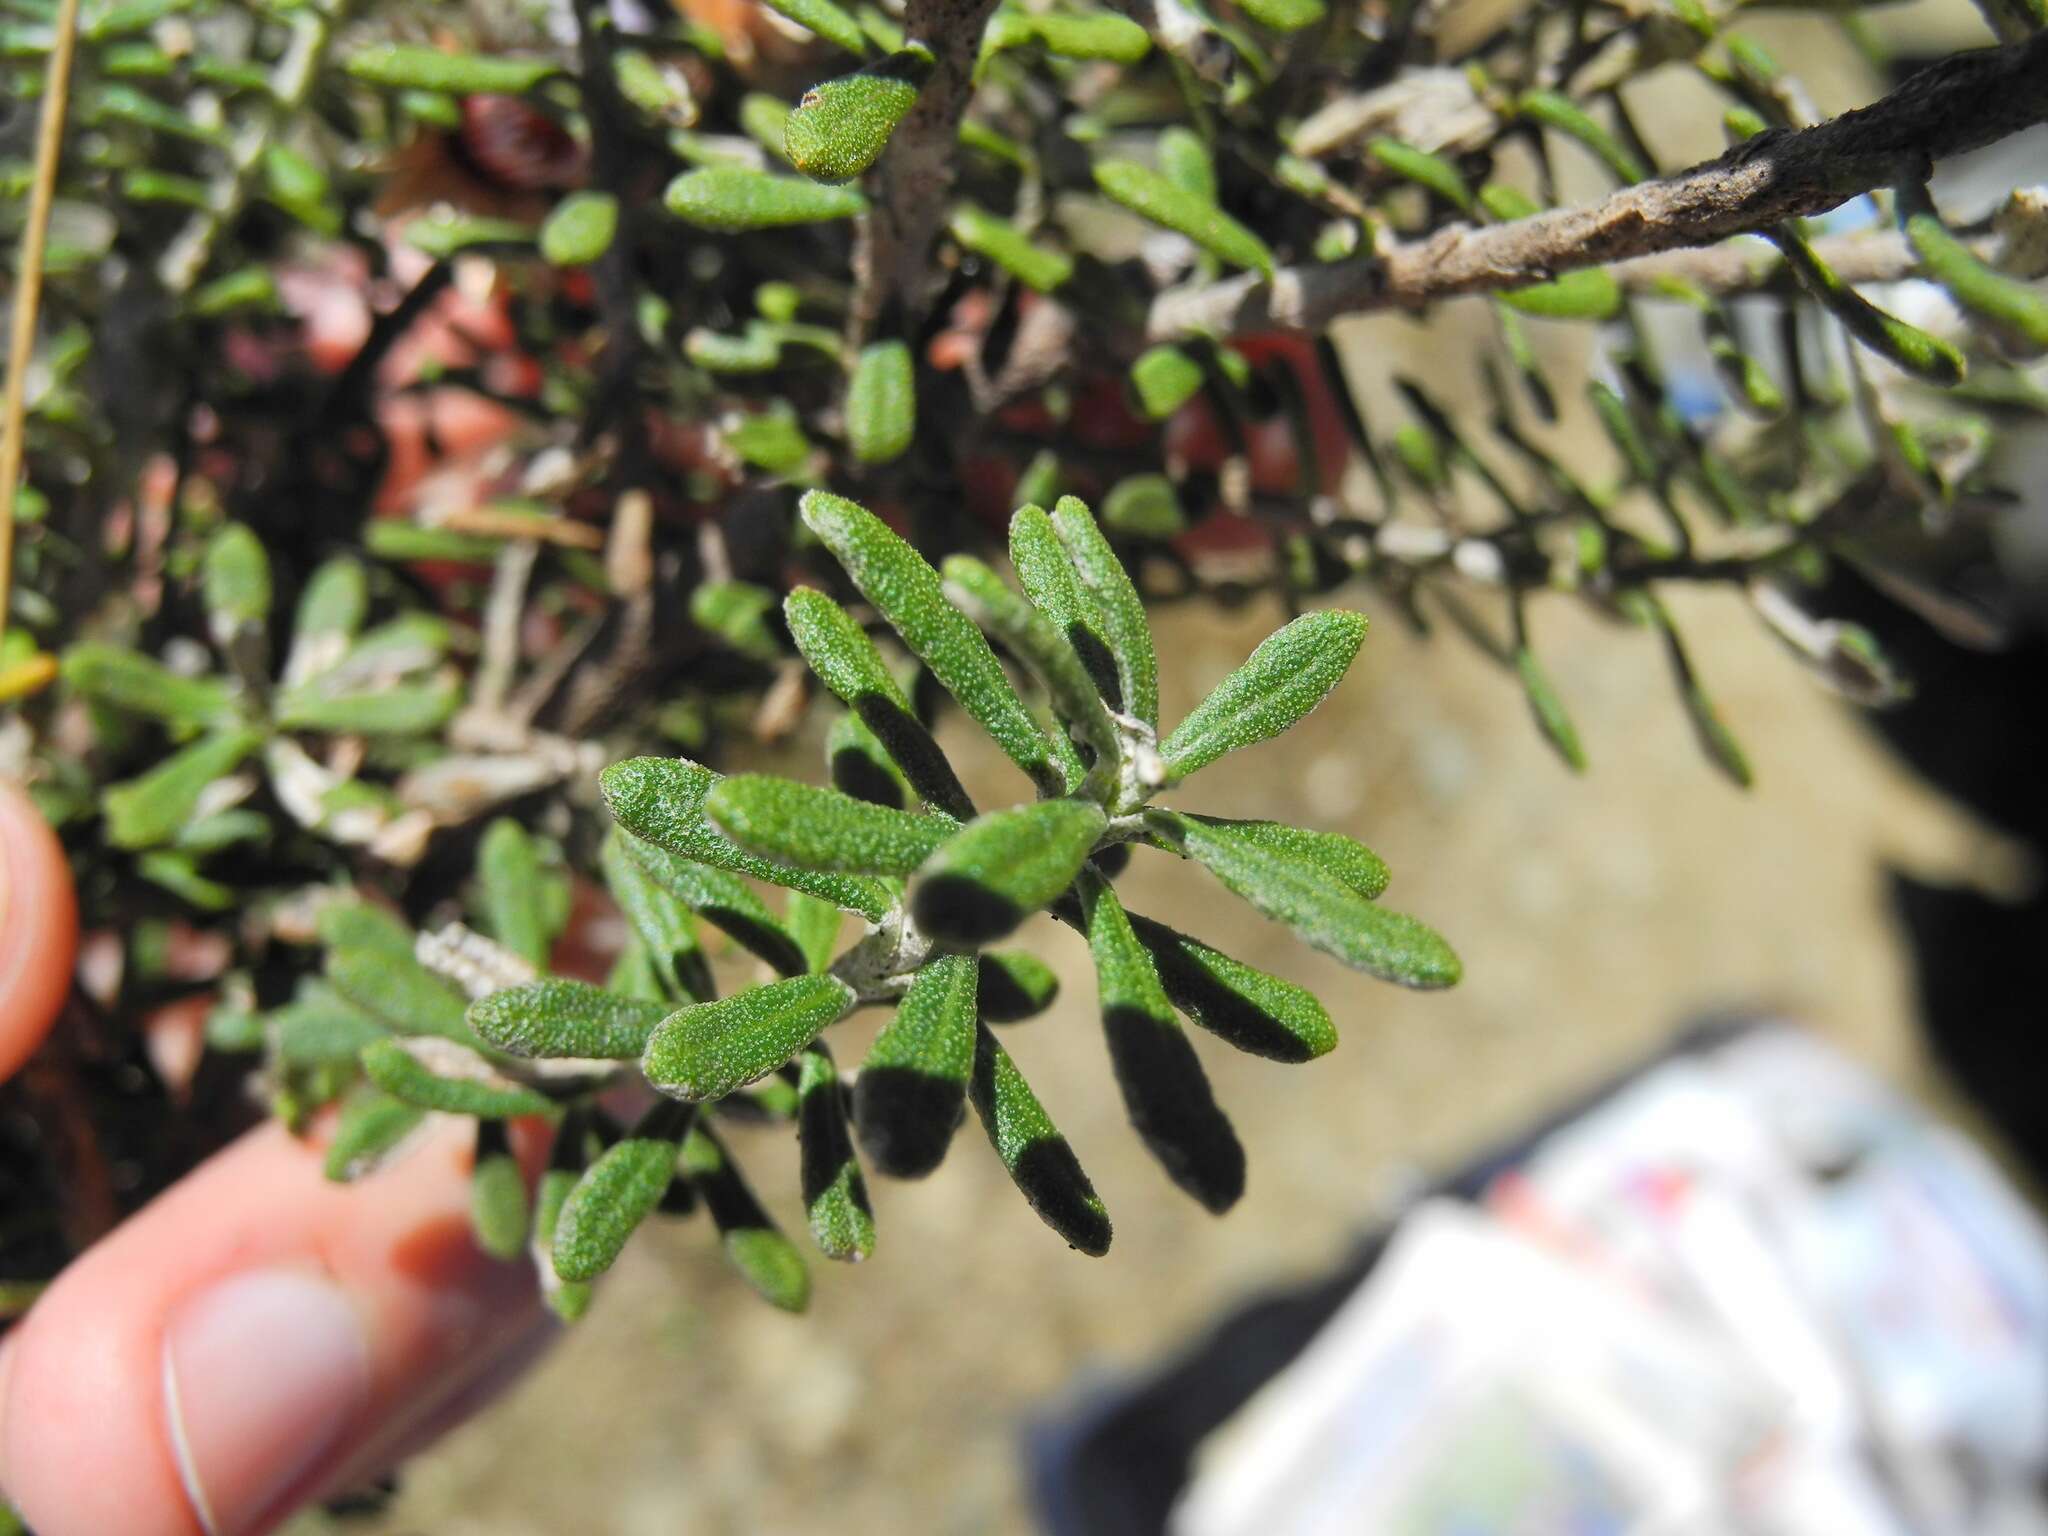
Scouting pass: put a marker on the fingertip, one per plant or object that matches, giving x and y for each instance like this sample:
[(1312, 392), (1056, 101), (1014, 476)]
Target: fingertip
[(38, 928)]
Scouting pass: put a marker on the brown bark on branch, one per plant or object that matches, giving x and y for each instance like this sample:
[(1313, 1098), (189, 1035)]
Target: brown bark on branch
[(1962, 103)]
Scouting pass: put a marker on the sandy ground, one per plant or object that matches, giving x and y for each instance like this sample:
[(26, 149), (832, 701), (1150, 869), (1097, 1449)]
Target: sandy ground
[(1594, 916)]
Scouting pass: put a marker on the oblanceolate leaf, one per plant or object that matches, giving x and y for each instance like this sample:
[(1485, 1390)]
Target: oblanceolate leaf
[(1334, 855), (662, 922), (561, 1017), (1037, 1155), (617, 1192), (707, 1050), (413, 66), (401, 709), (1033, 639), (907, 593), (912, 1085), (235, 581), (1151, 196), (441, 1075), (881, 402), (801, 824), (136, 684), (1051, 582), (1322, 912), (661, 800), (1164, 1088), (1287, 676), (1184, 160), (826, 19), (862, 767), (835, 1194), (2016, 309), (841, 127), (1120, 610), (1551, 715), (1014, 985), (351, 924), (370, 1128), (814, 924), (320, 1027), (400, 991), (1165, 379), (580, 229), (1284, 15), (498, 1212), (846, 661), (1428, 170), (1143, 507), (567, 1299), (514, 893), (330, 611), (1918, 352), (732, 199), (723, 900), (1000, 868), (767, 1260), (1000, 241), (146, 811), (1252, 1010)]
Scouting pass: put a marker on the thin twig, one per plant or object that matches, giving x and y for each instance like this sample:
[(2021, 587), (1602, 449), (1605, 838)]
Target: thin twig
[(1962, 103), (28, 291)]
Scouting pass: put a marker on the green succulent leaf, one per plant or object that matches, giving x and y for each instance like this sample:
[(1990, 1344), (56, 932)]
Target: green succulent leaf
[(725, 901), (1101, 35), (617, 1192), (400, 709), (320, 1027), (801, 824), (1120, 612), (1918, 352), (498, 1211), (1428, 170), (1144, 507), (827, 20), (331, 608), (1324, 914), (439, 1075), (841, 127), (1284, 15), (1151, 196), (567, 1299), (580, 229), (1586, 294), (135, 684), (399, 990), (1040, 1161), (365, 926), (1013, 986), (1337, 857), (235, 580), (1165, 379), (881, 403), (1000, 868), (2016, 309), (708, 1050), (732, 199), (145, 812), (1184, 160), (912, 1086), (907, 593), (1002, 242), (561, 1017), (661, 921), (514, 891), (1290, 673), (765, 1259), (1566, 116), (661, 800), (814, 924), (848, 664), (1551, 716), (1238, 1003), (1051, 582), (835, 1194), (1165, 1090), (1033, 638), (862, 767), (416, 67), (372, 1125)]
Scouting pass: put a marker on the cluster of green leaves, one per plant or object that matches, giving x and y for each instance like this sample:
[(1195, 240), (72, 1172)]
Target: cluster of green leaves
[(934, 883)]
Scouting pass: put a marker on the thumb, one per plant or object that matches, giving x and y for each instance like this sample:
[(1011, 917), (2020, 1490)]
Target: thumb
[(38, 928)]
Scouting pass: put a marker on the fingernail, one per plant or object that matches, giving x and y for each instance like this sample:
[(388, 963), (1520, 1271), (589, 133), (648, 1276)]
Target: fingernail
[(264, 1374)]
